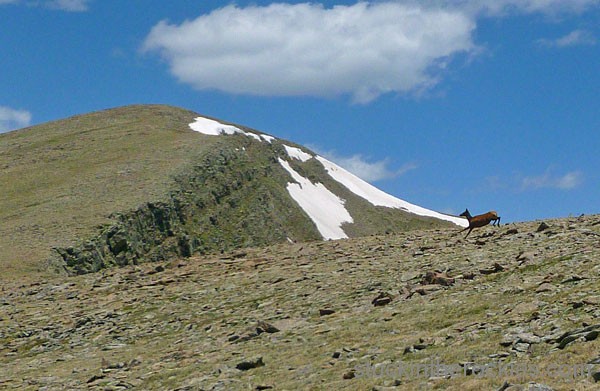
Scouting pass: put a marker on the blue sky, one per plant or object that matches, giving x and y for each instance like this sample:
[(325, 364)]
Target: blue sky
[(488, 104)]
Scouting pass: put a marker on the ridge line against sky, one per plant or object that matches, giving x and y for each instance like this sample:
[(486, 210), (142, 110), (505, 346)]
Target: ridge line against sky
[(427, 90)]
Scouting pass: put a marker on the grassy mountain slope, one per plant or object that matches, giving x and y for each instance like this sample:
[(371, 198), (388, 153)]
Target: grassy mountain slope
[(515, 295), (131, 184), (63, 179)]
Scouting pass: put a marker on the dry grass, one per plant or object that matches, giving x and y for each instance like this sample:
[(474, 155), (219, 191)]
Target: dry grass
[(182, 323)]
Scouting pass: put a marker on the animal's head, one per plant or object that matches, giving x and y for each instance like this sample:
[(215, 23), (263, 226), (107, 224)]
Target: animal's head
[(466, 214)]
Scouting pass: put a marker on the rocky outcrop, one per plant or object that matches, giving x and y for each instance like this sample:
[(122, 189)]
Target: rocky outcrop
[(154, 231), (235, 196), (227, 201)]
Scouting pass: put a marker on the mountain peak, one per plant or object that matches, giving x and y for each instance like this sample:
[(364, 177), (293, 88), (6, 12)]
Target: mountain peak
[(150, 182)]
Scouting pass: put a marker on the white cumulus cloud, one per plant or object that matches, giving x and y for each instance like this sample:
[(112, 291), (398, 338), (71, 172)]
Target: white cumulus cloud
[(366, 169), (363, 50), (549, 179), (69, 5), (11, 119), (574, 38), (506, 7), (568, 181), (544, 6), (62, 5)]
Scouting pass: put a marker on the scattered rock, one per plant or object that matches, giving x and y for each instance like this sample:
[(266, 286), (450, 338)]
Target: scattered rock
[(264, 387), (573, 278), (525, 257), (542, 227), (326, 311), (406, 292), (545, 287), (504, 386), (427, 289), (508, 340), (525, 387), (382, 299), (525, 307), (95, 378), (577, 304), (521, 347), (250, 364), (470, 368), (221, 385), (591, 301), (421, 345), (134, 362), (592, 335), (351, 374), (409, 349), (528, 338), (264, 327), (260, 328), (494, 269), (589, 333), (595, 361), (437, 278)]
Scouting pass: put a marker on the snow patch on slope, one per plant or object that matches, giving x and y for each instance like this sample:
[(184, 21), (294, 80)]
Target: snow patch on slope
[(214, 128), (297, 153), (323, 207), (267, 138), (378, 197)]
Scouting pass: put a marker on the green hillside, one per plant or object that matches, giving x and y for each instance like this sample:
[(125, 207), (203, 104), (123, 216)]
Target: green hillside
[(135, 183)]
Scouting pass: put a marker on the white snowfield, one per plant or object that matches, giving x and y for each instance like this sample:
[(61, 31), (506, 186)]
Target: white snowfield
[(214, 128), (380, 198), (297, 153), (325, 209)]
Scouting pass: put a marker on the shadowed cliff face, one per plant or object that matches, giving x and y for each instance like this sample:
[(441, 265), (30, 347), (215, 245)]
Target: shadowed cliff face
[(228, 200)]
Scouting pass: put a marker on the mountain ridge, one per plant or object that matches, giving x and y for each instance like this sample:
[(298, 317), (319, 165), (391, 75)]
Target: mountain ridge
[(136, 183)]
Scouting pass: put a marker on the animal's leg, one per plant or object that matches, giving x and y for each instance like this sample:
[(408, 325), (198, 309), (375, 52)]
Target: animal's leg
[(470, 229)]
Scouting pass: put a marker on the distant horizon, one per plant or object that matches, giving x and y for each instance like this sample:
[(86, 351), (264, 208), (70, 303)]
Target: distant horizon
[(447, 105)]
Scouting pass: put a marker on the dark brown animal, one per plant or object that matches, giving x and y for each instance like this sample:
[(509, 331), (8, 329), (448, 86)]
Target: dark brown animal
[(480, 220)]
